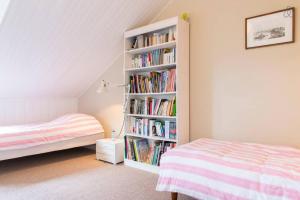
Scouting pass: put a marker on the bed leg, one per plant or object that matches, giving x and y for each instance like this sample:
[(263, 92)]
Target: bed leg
[(174, 195)]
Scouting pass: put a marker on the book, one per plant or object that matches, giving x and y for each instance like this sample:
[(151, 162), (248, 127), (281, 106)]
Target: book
[(167, 129), (134, 44), (126, 147), (140, 41), (172, 130), (135, 150), (130, 150), (142, 150), (152, 129)]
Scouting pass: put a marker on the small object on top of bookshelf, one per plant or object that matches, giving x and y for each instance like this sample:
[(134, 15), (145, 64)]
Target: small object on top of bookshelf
[(156, 68)]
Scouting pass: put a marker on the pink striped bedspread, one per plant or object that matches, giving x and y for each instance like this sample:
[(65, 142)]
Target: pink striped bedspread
[(64, 128), (211, 169)]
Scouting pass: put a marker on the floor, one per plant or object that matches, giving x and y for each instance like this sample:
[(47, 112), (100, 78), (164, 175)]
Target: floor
[(75, 174)]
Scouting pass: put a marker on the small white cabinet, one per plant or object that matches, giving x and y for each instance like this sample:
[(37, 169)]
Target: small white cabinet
[(110, 150)]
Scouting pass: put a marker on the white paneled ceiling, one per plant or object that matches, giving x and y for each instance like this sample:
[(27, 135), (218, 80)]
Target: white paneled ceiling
[(58, 48)]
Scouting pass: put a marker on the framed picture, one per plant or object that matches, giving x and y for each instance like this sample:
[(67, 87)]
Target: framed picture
[(270, 29)]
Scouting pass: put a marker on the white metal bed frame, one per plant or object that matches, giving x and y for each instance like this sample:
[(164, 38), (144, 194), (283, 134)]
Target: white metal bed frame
[(55, 146)]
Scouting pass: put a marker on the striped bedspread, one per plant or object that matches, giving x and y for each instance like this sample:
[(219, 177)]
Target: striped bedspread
[(211, 169), (64, 128)]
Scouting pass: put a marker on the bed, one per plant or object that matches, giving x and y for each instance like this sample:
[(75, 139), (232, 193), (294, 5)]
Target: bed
[(211, 169), (68, 131)]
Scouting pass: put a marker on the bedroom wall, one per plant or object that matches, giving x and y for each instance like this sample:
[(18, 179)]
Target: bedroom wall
[(235, 94), (107, 106), (59, 48), (31, 110), (238, 94)]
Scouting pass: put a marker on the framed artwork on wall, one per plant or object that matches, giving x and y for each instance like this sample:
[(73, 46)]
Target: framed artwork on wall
[(270, 29)]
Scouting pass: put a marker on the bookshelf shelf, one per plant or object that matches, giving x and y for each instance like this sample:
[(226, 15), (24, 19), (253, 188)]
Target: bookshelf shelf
[(143, 166), (151, 137), (151, 116), (152, 94), (151, 48), (174, 76), (151, 68)]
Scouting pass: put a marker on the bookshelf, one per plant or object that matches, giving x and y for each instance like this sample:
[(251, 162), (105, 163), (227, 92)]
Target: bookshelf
[(156, 66)]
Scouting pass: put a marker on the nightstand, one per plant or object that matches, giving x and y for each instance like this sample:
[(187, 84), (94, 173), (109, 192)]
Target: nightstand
[(110, 150)]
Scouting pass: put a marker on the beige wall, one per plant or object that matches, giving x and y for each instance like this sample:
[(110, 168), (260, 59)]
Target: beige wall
[(107, 106), (236, 94)]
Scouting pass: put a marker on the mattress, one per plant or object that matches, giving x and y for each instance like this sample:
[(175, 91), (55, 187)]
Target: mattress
[(212, 169), (65, 128)]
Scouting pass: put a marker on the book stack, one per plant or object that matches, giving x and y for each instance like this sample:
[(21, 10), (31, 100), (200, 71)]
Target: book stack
[(169, 129), (158, 149), (153, 82), (141, 150), (155, 57), (137, 149), (151, 127), (138, 126), (151, 106), (151, 39)]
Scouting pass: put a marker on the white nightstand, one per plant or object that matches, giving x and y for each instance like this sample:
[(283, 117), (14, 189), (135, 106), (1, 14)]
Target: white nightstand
[(110, 150)]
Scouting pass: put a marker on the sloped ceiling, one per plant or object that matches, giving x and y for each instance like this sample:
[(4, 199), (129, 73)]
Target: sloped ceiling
[(57, 48)]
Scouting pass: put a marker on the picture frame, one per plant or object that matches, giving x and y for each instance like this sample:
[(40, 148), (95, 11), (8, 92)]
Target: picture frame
[(270, 29)]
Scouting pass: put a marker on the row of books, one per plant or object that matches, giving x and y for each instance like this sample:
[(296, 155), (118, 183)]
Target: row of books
[(151, 127), (154, 38), (153, 82), (141, 150), (152, 106), (155, 57)]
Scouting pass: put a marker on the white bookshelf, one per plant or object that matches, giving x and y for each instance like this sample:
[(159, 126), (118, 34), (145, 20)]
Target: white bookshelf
[(181, 43)]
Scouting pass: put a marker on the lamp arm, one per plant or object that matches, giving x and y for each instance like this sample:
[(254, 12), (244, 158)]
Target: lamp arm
[(124, 108)]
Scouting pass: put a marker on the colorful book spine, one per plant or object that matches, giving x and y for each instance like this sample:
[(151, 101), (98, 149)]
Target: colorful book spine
[(167, 129)]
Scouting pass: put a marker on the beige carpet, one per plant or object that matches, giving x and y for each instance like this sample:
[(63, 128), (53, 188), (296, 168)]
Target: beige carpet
[(75, 174)]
